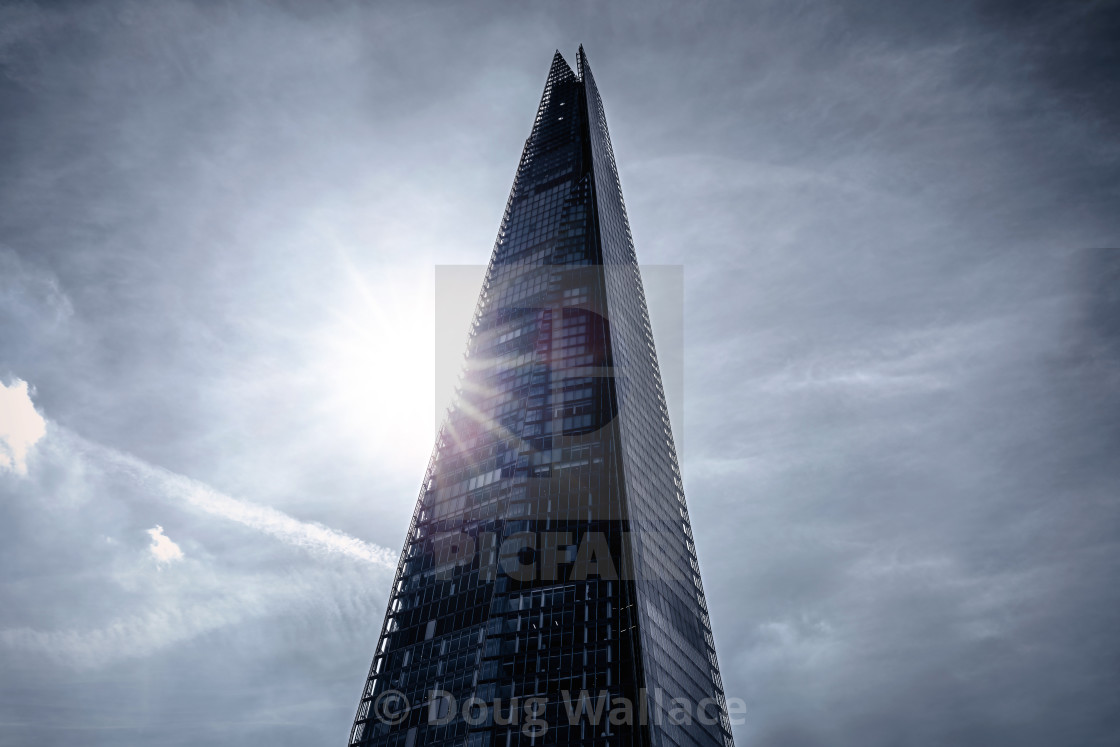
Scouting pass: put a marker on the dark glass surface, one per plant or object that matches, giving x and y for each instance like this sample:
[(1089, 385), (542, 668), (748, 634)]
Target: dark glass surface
[(550, 552)]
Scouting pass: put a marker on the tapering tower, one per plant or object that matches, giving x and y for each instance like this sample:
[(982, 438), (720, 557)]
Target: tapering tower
[(548, 591)]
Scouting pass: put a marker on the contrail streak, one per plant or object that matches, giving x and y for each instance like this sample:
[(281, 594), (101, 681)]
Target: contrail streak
[(308, 535)]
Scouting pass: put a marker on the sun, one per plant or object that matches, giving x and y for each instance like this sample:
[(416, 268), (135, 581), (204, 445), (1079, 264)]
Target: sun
[(376, 364)]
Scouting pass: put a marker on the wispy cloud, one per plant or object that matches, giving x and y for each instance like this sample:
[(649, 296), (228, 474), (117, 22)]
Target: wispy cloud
[(208, 603), (168, 485), (21, 427)]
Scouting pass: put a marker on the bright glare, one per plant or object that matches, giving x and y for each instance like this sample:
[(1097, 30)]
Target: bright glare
[(376, 360), (376, 357)]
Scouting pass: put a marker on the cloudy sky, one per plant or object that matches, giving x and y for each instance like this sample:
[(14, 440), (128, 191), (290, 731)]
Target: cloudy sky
[(219, 225)]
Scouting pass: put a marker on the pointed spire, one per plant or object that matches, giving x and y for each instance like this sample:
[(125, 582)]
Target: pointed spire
[(581, 62), (559, 66), (559, 72)]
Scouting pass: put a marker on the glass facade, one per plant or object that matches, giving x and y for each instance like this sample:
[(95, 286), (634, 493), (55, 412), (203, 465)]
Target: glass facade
[(548, 591)]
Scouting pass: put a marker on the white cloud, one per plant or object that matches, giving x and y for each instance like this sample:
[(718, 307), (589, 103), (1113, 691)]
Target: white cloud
[(21, 426), (164, 550)]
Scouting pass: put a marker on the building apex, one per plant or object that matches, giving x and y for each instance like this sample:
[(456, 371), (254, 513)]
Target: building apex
[(582, 65), (560, 65)]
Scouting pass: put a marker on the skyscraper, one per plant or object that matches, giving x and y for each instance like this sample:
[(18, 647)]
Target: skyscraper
[(548, 591)]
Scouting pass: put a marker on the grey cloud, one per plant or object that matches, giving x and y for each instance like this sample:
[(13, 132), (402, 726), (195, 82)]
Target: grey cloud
[(900, 337)]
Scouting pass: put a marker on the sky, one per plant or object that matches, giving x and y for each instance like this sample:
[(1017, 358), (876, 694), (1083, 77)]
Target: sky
[(219, 228)]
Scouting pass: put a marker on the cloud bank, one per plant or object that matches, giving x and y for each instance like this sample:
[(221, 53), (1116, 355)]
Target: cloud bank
[(898, 227)]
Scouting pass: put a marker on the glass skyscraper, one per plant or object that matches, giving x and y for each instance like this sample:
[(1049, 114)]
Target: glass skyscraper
[(548, 591)]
